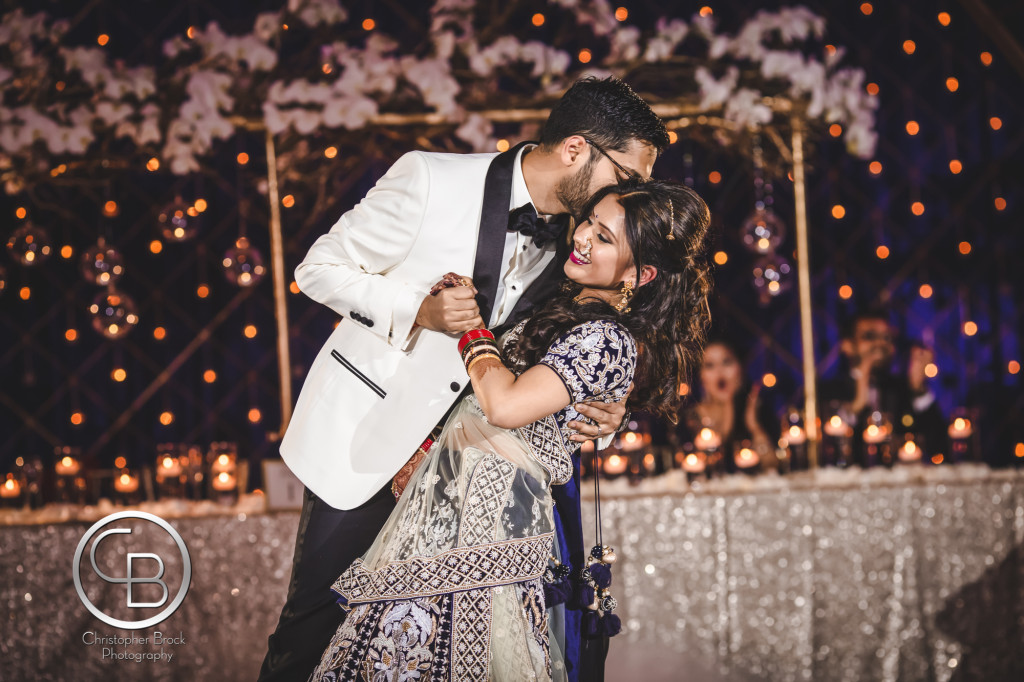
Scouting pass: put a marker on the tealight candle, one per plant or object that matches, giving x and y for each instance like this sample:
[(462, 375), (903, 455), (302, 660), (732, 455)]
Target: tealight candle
[(875, 434), (960, 428), (835, 426), (169, 467), (909, 453), (707, 439), (747, 457), (631, 441), (223, 463), (224, 481), (796, 435), (10, 489), (126, 483), (615, 464), (67, 466), (694, 463)]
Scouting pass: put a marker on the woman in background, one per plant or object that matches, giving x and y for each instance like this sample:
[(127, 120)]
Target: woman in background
[(731, 408)]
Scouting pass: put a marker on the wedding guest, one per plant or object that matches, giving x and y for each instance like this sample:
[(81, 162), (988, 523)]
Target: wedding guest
[(867, 387), (731, 407)]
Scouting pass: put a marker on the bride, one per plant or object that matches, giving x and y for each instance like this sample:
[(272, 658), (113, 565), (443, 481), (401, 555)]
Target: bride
[(452, 587)]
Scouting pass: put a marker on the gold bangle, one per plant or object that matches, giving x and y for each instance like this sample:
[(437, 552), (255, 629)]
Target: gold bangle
[(482, 357), (478, 351)]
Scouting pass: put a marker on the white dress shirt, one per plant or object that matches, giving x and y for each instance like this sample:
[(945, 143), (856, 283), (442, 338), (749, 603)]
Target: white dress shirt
[(523, 261)]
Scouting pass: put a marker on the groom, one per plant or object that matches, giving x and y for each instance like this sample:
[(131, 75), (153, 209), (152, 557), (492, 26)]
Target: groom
[(390, 371)]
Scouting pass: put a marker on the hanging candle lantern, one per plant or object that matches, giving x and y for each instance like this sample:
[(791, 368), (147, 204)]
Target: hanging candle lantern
[(113, 314), (30, 244), (102, 264), (773, 275), (178, 221), (763, 231), (243, 264)]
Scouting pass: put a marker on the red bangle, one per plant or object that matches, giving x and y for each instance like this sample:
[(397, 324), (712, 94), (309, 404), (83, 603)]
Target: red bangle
[(477, 343), (474, 334)]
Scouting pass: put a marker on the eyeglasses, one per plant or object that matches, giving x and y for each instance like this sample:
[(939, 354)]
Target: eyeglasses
[(876, 336), (631, 174)]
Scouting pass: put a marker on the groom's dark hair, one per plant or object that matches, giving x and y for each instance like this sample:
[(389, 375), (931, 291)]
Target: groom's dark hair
[(606, 111)]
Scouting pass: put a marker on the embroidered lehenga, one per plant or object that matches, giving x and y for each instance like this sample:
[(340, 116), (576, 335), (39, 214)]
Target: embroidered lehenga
[(452, 587)]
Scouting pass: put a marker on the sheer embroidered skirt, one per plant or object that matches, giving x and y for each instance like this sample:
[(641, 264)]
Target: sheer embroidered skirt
[(451, 589)]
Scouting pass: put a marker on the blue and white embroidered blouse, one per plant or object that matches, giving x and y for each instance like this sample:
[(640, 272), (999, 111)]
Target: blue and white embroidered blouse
[(595, 360)]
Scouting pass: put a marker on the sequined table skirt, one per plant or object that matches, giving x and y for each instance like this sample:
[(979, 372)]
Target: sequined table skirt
[(851, 576), (884, 576)]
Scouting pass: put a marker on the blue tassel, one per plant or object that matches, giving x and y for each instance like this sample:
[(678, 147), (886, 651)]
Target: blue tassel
[(611, 625), (557, 593), (591, 624), (602, 574), (583, 597)]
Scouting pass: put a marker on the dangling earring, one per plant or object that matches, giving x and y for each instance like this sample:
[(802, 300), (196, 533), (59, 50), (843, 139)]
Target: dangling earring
[(622, 307)]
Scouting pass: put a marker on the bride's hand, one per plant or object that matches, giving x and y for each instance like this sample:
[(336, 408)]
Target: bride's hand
[(608, 416)]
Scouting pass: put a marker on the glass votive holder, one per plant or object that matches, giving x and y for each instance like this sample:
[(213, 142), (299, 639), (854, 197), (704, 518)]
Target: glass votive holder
[(224, 486), (70, 476), (12, 492), (962, 434), (909, 452), (694, 464), (877, 437), (170, 472), (746, 459), (127, 488)]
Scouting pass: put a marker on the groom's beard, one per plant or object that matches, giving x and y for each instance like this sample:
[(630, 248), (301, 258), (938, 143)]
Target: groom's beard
[(574, 191)]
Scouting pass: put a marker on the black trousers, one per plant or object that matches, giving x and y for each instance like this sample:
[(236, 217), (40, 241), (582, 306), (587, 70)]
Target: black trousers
[(328, 541)]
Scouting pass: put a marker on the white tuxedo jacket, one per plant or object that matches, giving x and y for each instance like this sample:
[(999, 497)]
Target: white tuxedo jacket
[(374, 391)]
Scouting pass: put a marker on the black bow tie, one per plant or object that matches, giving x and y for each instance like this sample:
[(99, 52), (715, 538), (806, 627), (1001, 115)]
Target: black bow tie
[(526, 221)]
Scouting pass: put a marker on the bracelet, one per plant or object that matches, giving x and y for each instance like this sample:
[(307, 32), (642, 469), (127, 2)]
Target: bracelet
[(477, 343), (474, 334), (482, 354), (486, 356), (478, 351)]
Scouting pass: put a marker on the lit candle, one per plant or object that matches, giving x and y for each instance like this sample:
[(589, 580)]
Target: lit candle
[(632, 441), (796, 435), (694, 463), (909, 453), (875, 434), (960, 428), (169, 467), (68, 466), (649, 462), (224, 482), (223, 463), (126, 483), (835, 426), (747, 458), (707, 439), (614, 465), (10, 489)]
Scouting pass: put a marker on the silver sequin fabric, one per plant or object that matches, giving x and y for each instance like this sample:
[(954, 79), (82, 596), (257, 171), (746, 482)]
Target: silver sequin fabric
[(920, 580), (857, 577)]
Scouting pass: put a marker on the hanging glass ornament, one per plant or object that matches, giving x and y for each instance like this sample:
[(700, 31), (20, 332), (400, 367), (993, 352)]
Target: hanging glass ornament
[(243, 264), (30, 244), (762, 232), (773, 275), (114, 314), (178, 221), (102, 263)]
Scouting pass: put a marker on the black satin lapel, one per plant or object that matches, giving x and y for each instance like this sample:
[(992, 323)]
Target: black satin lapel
[(487, 268), (544, 286)]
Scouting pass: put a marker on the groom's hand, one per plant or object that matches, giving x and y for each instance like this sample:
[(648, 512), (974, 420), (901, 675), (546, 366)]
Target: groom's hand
[(608, 416), (451, 310)]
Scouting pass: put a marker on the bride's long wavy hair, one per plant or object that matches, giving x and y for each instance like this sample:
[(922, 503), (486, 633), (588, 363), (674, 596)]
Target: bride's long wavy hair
[(669, 316)]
